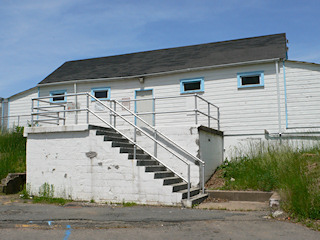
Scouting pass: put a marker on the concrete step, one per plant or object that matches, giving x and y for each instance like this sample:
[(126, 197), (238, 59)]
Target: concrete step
[(163, 174), (199, 198), (193, 192), (156, 168), (107, 133), (179, 186), (171, 180), (94, 127), (122, 144), (139, 156), (147, 162), (130, 150), (115, 139)]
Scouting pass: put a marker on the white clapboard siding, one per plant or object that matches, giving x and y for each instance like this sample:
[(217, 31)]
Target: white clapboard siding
[(20, 108), (303, 94)]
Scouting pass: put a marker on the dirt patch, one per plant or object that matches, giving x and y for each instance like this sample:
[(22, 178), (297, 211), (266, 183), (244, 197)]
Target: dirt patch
[(216, 181)]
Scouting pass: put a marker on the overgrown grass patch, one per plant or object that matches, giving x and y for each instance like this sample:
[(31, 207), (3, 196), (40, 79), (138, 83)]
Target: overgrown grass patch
[(293, 172), (12, 152)]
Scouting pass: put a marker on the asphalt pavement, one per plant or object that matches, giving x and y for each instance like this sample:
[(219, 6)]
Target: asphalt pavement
[(19, 220)]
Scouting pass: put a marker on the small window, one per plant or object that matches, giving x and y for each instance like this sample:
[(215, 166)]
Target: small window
[(250, 79), (59, 98), (191, 85), (101, 93)]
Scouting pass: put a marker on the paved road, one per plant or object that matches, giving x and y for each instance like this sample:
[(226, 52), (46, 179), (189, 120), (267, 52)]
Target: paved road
[(38, 221)]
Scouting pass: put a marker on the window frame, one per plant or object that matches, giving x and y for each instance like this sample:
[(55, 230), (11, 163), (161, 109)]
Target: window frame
[(191, 80), (251, 74), (58, 92), (108, 89)]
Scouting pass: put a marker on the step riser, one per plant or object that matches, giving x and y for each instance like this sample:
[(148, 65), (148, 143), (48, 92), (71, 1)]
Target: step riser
[(139, 156), (131, 150), (155, 169), (171, 181), (110, 134), (192, 193), (180, 187), (147, 163), (163, 175), (121, 144), (115, 139)]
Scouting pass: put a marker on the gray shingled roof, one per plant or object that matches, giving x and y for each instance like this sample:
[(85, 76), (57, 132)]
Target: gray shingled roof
[(165, 60)]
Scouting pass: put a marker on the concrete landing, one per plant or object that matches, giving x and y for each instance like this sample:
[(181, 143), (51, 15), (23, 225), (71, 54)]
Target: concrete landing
[(235, 206)]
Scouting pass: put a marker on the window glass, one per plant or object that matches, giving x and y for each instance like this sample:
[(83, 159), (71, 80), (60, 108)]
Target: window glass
[(191, 85), (59, 98), (188, 86), (101, 94), (250, 80)]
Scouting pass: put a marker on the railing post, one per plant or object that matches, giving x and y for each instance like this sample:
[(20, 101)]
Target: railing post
[(58, 116), (135, 141), (154, 111), (32, 113), (110, 113), (196, 108), (87, 108), (64, 115), (76, 107), (188, 181), (115, 115), (155, 143), (202, 182), (208, 114), (218, 112)]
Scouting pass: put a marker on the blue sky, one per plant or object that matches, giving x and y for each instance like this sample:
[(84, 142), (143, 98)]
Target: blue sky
[(37, 36)]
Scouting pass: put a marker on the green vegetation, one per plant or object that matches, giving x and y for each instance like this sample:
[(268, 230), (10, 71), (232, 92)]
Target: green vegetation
[(128, 204), (293, 172), (12, 152), (46, 193)]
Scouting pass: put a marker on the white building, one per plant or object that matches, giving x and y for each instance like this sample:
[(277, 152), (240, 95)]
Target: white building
[(246, 89)]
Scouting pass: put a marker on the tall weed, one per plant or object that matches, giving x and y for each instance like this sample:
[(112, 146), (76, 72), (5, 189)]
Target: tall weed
[(12, 152), (294, 172)]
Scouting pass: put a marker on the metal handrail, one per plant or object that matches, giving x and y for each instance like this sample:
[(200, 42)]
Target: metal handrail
[(113, 113), (164, 136), (169, 140)]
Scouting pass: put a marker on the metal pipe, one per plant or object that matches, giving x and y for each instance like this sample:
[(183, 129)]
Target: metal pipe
[(196, 108), (88, 109), (64, 116), (31, 112), (76, 103), (189, 181), (278, 97), (114, 116), (155, 144), (208, 115), (202, 182)]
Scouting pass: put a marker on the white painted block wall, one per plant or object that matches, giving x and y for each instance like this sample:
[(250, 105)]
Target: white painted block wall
[(57, 156)]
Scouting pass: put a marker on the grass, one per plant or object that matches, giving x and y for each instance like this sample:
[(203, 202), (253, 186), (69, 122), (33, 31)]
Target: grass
[(293, 172), (12, 152)]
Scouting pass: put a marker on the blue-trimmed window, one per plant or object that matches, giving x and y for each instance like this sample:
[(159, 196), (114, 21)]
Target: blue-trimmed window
[(191, 85), (250, 79), (59, 98), (100, 93)]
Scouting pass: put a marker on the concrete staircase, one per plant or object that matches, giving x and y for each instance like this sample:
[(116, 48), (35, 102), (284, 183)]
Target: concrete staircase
[(151, 166)]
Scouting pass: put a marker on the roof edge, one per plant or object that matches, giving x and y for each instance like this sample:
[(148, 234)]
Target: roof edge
[(160, 73)]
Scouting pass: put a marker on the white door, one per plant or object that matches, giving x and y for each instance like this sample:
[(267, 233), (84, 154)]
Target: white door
[(144, 105)]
